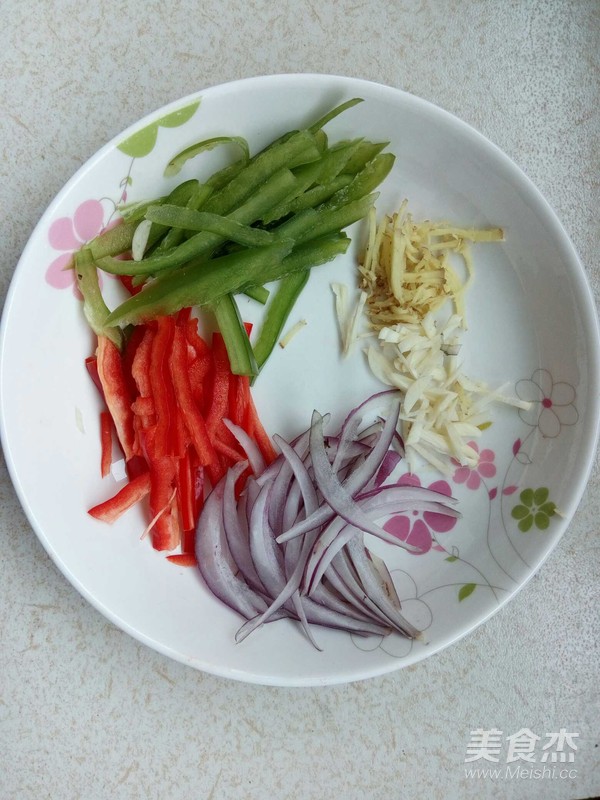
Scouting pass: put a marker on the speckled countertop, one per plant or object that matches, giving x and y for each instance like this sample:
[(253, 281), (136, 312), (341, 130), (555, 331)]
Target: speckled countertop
[(88, 712)]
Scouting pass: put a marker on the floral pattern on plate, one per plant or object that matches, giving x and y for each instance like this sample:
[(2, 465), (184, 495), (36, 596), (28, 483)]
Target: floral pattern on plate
[(532, 513)]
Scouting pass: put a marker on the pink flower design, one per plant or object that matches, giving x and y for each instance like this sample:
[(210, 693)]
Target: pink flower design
[(485, 468), (416, 528), (68, 235)]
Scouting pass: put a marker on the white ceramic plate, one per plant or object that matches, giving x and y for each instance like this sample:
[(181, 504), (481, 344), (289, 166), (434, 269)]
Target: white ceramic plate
[(532, 325)]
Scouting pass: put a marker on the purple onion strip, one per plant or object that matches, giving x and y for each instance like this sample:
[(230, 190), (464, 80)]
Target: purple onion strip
[(216, 564)]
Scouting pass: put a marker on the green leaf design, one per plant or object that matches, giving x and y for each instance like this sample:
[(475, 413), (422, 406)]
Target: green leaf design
[(177, 118), (451, 558), (527, 497), (465, 591), (142, 142), (536, 509), (525, 524), (540, 496), (520, 512), (542, 521)]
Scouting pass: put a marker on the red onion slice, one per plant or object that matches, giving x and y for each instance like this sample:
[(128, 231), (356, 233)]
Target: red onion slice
[(375, 587), (286, 593), (301, 474), (338, 497), (267, 557), (236, 528), (339, 586), (356, 481), (344, 580), (293, 544), (216, 563), (249, 446)]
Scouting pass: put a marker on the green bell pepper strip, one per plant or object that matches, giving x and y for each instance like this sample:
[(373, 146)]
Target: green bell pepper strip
[(305, 176), (258, 293), (94, 308), (318, 172), (347, 205), (198, 198), (277, 312), (223, 176), (114, 241), (230, 274), (201, 245), (363, 182), (175, 236), (320, 123), (336, 160), (190, 286), (137, 211), (176, 163), (118, 240), (313, 223), (187, 219), (365, 152), (260, 169), (241, 355), (265, 174), (317, 195)]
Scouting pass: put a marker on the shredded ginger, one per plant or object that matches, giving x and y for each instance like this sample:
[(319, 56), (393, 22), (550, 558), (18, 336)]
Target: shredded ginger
[(406, 280), (407, 272)]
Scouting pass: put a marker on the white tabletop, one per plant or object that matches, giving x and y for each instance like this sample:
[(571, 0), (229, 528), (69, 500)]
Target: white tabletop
[(88, 712)]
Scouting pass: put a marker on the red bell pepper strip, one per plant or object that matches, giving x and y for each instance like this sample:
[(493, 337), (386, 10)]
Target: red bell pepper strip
[(194, 338), (183, 316), (105, 443), (127, 282), (183, 559), (254, 428), (140, 367), (129, 351), (128, 496), (198, 373), (194, 422), (238, 399), (143, 407), (165, 531), (116, 393), (91, 364), (136, 466), (219, 401), (186, 501), (201, 366), (230, 454), (160, 385), (199, 478)]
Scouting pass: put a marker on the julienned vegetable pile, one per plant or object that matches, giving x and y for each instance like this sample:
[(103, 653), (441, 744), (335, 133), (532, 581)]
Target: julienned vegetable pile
[(166, 397), (275, 532), (269, 217), (292, 544)]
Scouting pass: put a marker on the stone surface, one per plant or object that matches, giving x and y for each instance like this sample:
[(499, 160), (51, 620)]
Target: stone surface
[(88, 712)]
